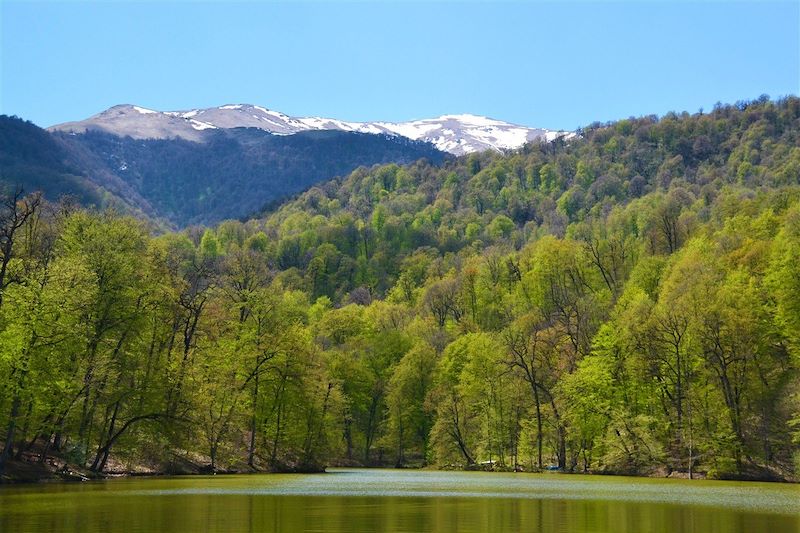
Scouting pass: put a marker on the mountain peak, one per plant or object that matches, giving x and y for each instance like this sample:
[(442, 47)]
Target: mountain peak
[(455, 133), (127, 108)]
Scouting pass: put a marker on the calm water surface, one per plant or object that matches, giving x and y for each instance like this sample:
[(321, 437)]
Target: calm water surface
[(387, 501)]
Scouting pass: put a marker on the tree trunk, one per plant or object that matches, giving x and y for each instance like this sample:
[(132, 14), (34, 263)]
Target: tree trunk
[(103, 450), (538, 426), (5, 455), (273, 458), (371, 424), (24, 432), (561, 452), (251, 451)]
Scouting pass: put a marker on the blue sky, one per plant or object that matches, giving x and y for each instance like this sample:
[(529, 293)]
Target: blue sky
[(555, 65)]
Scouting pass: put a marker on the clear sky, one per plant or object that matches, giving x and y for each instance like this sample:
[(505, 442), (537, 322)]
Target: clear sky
[(554, 65)]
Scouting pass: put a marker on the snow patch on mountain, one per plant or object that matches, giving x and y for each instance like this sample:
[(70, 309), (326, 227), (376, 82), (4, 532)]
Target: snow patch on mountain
[(196, 124), (458, 134)]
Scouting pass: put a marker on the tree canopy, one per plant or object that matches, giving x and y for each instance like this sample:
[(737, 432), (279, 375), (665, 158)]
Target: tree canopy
[(627, 301)]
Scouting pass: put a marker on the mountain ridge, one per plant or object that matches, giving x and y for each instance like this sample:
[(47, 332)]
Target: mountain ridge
[(232, 173), (458, 134)]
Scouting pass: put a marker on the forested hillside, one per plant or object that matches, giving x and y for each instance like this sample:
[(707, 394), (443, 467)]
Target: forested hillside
[(231, 173), (33, 159), (627, 302), (234, 173)]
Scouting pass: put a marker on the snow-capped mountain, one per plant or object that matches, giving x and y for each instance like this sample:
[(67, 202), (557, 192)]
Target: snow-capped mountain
[(457, 134)]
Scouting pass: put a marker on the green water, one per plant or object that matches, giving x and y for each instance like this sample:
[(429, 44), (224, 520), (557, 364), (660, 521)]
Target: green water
[(350, 500)]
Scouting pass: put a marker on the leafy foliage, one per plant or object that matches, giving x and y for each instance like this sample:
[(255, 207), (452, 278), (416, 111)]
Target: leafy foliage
[(626, 302)]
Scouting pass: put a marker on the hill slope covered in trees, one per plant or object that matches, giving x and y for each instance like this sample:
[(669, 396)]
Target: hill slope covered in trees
[(230, 173), (627, 302)]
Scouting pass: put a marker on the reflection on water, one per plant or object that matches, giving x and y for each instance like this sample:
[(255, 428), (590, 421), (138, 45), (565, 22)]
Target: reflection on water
[(401, 501)]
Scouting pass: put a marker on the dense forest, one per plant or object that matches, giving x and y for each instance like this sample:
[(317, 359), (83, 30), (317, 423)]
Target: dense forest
[(625, 302), (230, 174), (234, 173), (33, 158)]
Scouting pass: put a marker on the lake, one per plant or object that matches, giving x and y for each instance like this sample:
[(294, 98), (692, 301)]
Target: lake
[(373, 500)]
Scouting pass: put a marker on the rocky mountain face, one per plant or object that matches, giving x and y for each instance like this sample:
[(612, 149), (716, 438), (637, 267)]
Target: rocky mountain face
[(456, 134)]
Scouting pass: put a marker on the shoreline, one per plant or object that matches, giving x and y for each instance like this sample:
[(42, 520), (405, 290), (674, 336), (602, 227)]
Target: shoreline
[(22, 472)]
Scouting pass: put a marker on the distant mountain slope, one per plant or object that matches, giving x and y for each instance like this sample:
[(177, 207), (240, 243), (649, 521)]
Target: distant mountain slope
[(30, 156), (236, 172), (456, 134), (232, 173), (33, 159)]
